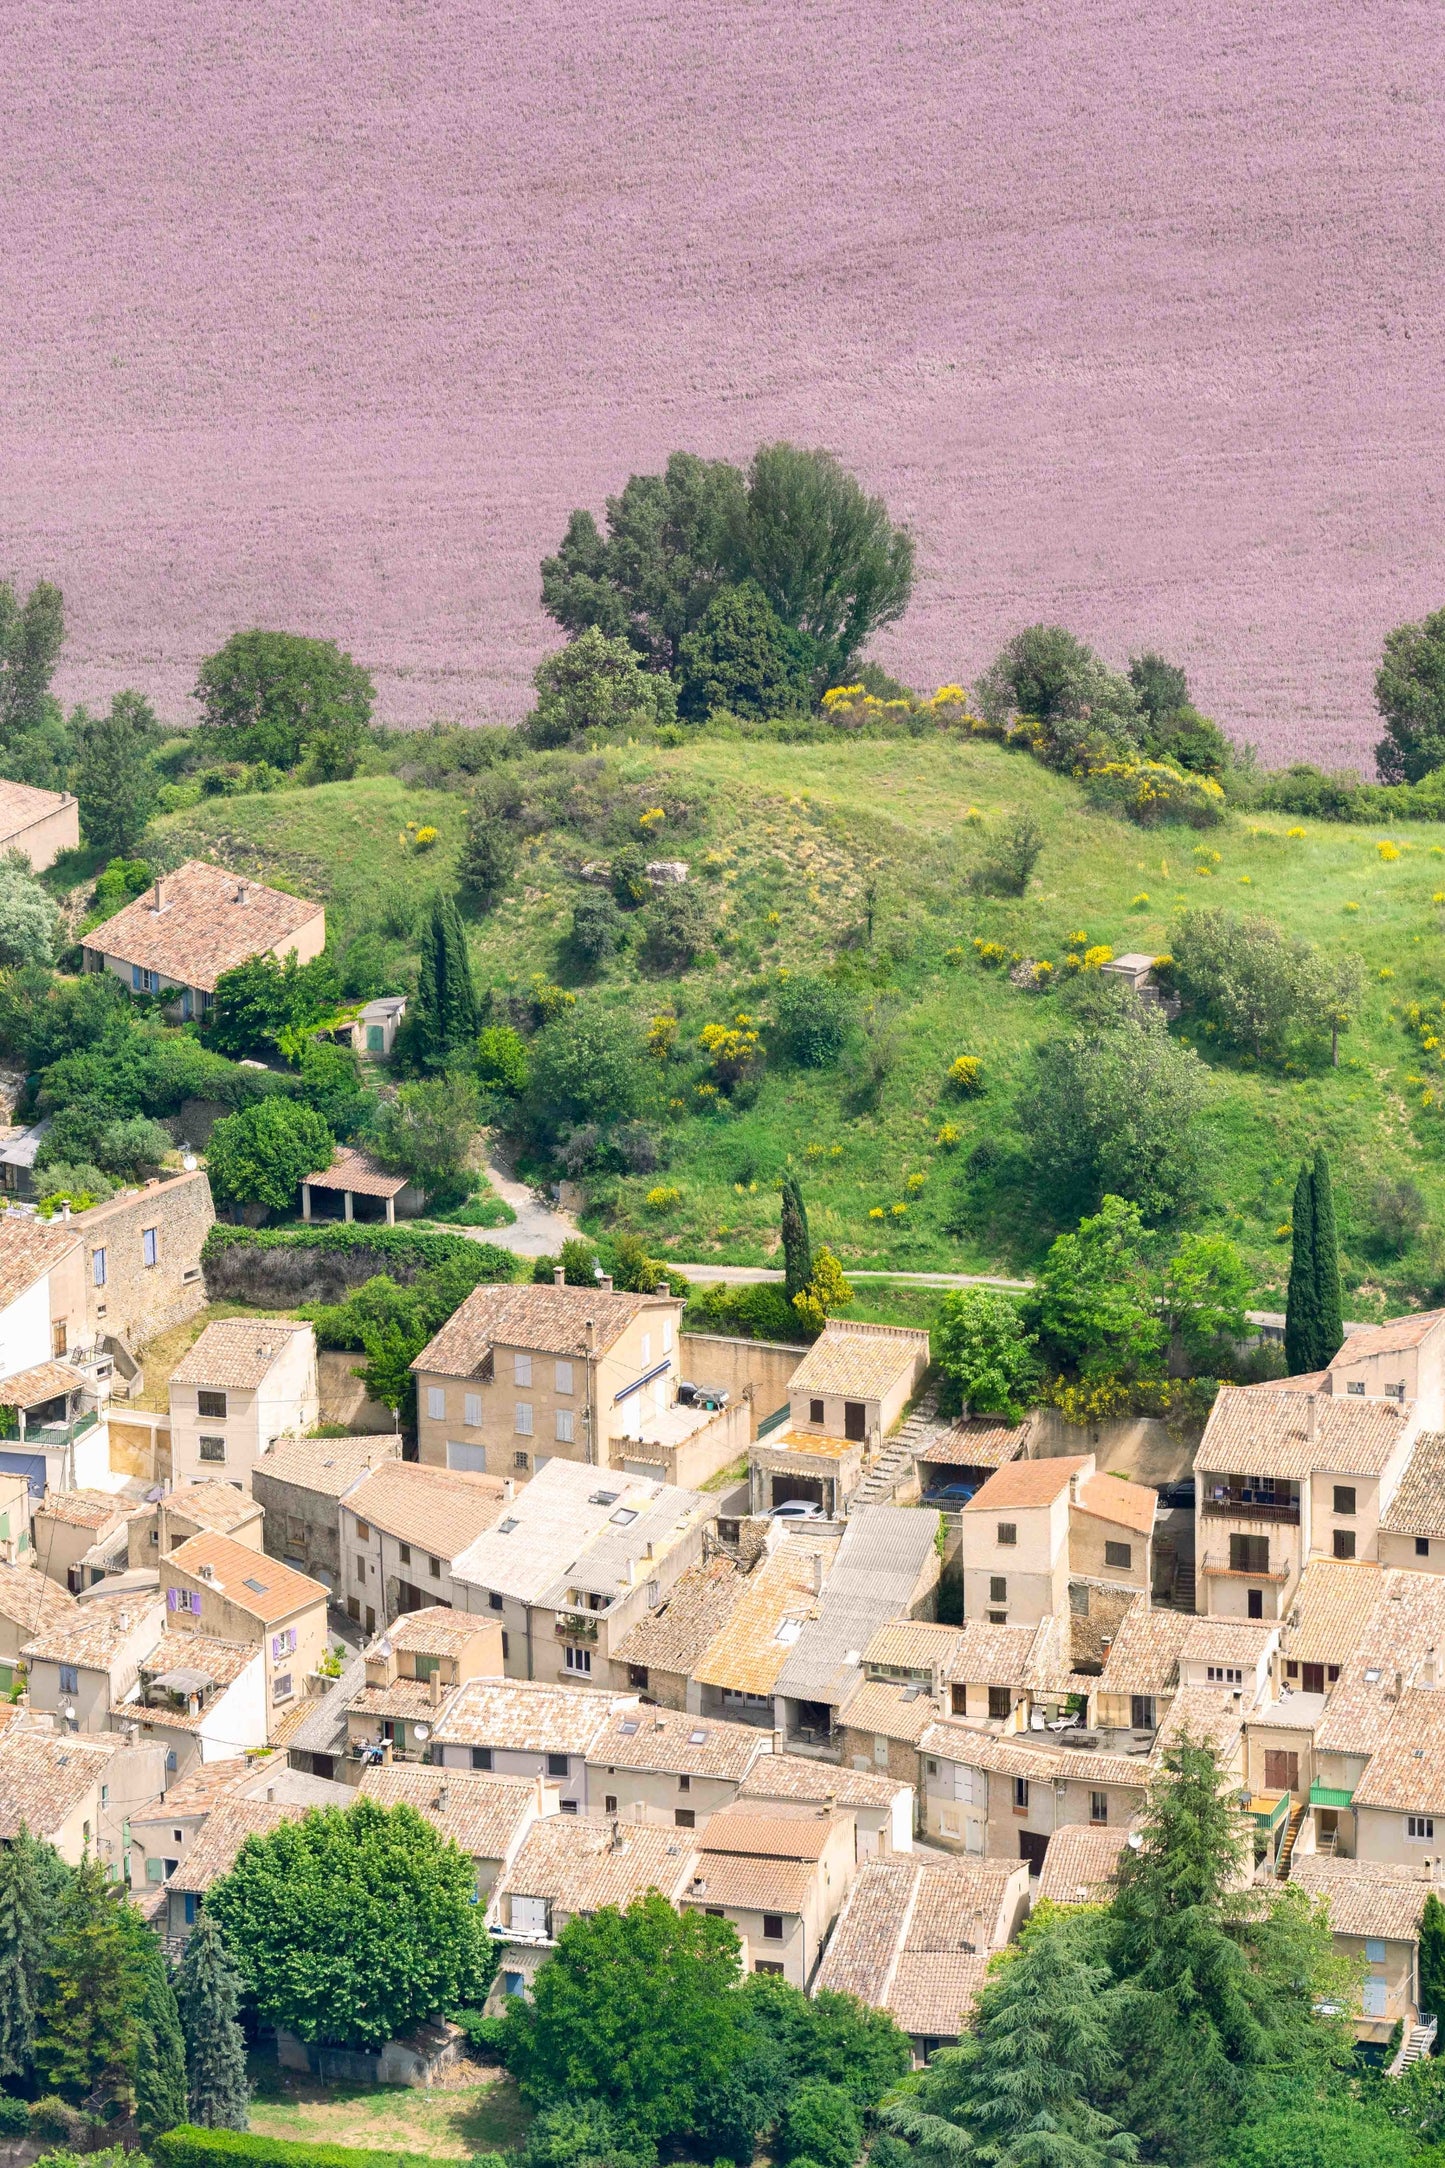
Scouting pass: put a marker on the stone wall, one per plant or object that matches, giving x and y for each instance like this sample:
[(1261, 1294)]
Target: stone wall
[(137, 1300), (1140, 1447), (717, 1359)]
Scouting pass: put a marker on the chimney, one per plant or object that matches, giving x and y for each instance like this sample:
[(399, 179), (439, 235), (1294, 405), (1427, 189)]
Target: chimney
[(434, 1689), (647, 1548), (559, 1276), (123, 1621), (270, 1795), (443, 1795), (1428, 1674), (1312, 1421), (606, 1283), (243, 890), (160, 902), (616, 1842), (508, 1489), (590, 1330), (830, 1801), (817, 1573), (386, 1753)]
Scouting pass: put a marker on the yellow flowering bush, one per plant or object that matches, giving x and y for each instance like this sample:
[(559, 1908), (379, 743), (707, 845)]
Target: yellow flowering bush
[(826, 1291), (966, 1075), (663, 1197), (876, 1211), (915, 1183), (991, 954), (1155, 790), (549, 1001), (1137, 902), (649, 819), (949, 1137), (1388, 851), (958, 954), (1352, 907), (661, 1036), (1294, 831), (898, 1210), (734, 1050), (425, 838)]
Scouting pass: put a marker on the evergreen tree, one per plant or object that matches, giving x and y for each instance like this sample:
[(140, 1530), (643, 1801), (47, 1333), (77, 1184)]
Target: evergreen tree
[(1328, 1303), (444, 1014), (1432, 1958), (91, 1988), (1301, 1302), (209, 1996), (31, 1879), (115, 783), (488, 855), (797, 1249), (160, 2063)]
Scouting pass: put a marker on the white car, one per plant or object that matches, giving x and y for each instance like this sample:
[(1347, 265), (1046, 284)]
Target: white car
[(798, 1509)]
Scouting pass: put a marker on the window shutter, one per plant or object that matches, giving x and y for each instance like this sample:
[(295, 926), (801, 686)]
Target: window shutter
[(196, 1601), (276, 1641), (170, 1599)]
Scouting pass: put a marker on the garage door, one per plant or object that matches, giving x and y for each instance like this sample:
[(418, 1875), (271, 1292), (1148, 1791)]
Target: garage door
[(471, 1457)]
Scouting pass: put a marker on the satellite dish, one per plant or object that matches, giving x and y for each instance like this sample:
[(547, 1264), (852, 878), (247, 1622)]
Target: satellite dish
[(421, 1731)]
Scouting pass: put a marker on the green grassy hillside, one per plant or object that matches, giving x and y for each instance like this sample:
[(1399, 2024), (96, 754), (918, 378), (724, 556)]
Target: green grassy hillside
[(786, 841)]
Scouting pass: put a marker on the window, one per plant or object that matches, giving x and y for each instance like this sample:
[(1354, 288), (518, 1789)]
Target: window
[(97, 1267), (1359, 1389), (1098, 1807), (506, 1647), (763, 1964), (609, 1803), (471, 1409), (212, 1405), (361, 1565), (481, 1757), (684, 1818), (815, 1411), (520, 1460), (436, 1403), (1421, 1826), (997, 1588), (564, 1426), (1021, 1795), (772, 1926), (1008, 1532), (1000, 1702), (1422, 1546), (998, 1618), (69, 1679), (522, 1369), (564, 1377), (1119, 1554), (522, 1419), (647, 1347), (142, 981), (1344, 1498), (684, 1784), (403, 1552), (1224, 1675), (579, 1660), (1344, 1543), (637, 1676), (281, 1691), (667, 1337), (557, 1765), (1249, 1554), (1254, 1603), (494, 1599), (514, 1983), (150, 1245), (1141, 1712), (211, 1448)]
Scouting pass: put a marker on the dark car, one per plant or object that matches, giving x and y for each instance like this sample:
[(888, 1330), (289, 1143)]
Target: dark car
[(949, 1494)]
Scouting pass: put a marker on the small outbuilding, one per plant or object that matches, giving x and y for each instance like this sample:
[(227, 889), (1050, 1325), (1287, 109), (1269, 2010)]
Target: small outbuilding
[(354, 1175), (41, 823)]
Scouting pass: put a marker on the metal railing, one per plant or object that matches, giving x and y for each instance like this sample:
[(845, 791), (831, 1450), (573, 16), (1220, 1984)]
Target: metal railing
[(574, 1626), (1251, 1509), (53, 1434), (1219, 1562)]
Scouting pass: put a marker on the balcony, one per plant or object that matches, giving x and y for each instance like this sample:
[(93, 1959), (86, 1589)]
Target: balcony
[(575, 1626), (1235, 1507), (54, 1435), (1219, 1562)]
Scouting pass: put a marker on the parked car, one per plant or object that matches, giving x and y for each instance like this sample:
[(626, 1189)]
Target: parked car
[(797, 1509), (952, 1495)]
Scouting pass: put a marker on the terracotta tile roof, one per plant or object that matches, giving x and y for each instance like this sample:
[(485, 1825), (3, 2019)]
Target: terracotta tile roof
[(246, 1578), (436, 1631), (1408, 1620), (359, 1172), (1406, 1772), (30, 1248), (1365, 1896), (213, 1505), (890, 1712), (1388, 1339), (203, 929), (1080, 1865), (993, 1655), (751, 1831), (87, 1508), (402, 1698), (793, 1776), (44, 1776), (1204, 1712), (752, 1648), (93, 1635), (697, 1607), (816, 1444), (1127, 1505), (1025, 1483), (196, 1793), (912, 1645), (914, 1938), (527, 1718), (31, 1600), (975, 1444), (22, 804), (228, 1825), (1332, 1607), (581, 1865), (549, 1320), (236, 1351), (327, 1465), (1252, 1432), (669, 1739), (1144, 1656), (1014, 1754), (221, 1661), (442, 1510), (1228, 1641), (751, 1881), (1418, 1506), (858, 1363), (44, 1381), (480, 1814)]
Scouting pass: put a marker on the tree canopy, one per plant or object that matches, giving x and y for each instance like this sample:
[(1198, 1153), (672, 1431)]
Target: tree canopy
[(1112, 1105), (985, 1351), (1410, 695), (262, 1154), (115, 782), (283, 698)]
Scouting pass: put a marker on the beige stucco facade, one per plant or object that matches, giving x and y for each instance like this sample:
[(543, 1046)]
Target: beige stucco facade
[(41, 823), (220, 1431), (790, 1941), (294, 1639), (1017, 1582)]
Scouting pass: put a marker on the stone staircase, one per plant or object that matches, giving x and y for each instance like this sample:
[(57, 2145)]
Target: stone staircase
[(895, 1463), (1286, 1850), (1417, 2043)]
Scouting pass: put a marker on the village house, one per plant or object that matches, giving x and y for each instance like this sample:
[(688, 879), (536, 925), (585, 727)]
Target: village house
[(193, 1510), (353, 1185), (883, 1811), (1395, 1652), (780, 1878), (1333, 1605), (245, 1383), (957, 1459), (568, 1869), (1140, 1674), (30, 1603), (53, 1387), (318, 1733), (855, 1382), (142, 1262), (883, 1721), (81, 1536), (403, 1530), (511, 1729), (1412, 1524), (1285, 1475), (1005, 1796), (914, 1938), (212, 1854), (1081, 1866), (487, 1817), (661, 1766), (519, 1376), (737, 1673), (886, 1567), (83, 1667), (1403, 1361), (409, 1676), (1036, 1523), (39, 823), (162, 1833), (1374, 1912), (75, 1792), (213, 1585), (300, 1482), (1111, 1531), (658, 1655), (200, 1699), (1399, 1801), (175, 941)]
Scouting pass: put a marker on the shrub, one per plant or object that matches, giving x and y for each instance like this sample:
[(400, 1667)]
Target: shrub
[(734, 1051), (1148, 791), (827, 1290), (586, 1066), (630, 885), (501, 1058), (1395, 1214), (813, 1021), (1008, 867), (1052, 692), (264, 1153), (1253, 982), (596, 927), (676, 927), (29, 921), (595, 683), (14, 2116), (663, 1198), (965, 1075), (820, 2123), (487, 858), (760, 1312), (981, 1346), (192, 2147), (1113, 1105)]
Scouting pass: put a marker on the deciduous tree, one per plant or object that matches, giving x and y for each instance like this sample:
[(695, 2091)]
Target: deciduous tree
[(983, 1348), (262, 1154), (282, 698), (1113, 1105), (825, 553), (1410, 695), (596, 684), (115, 782), (742, 657)]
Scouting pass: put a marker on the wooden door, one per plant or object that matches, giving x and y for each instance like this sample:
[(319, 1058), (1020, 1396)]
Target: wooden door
[(1281, 1770)]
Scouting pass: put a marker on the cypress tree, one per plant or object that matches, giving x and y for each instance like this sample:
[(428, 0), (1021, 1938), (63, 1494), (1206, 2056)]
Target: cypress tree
[(160, 2064), (31, 1879), (1301, 1303), (1328, 1301), (1432, 1958), (797, 1249), (445, 1011), (209, 1995)]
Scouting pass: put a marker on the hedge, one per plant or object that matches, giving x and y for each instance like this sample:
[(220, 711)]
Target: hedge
[(189, 2146), (401, 1251)]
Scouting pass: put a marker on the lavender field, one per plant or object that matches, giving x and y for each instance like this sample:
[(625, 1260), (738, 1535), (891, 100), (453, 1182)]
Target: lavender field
[(323, 316)]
